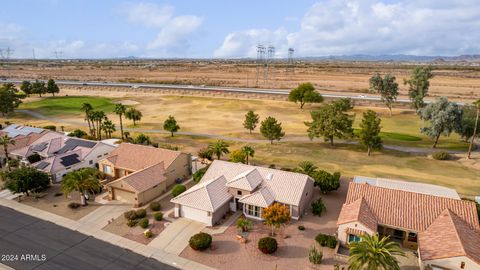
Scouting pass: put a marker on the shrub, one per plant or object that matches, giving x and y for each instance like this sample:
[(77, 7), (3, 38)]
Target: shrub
[(130, 215), (158, 216), (132, 223), (178, 189), (318, 207), (197, 176), (143, 223), (155, 206), (441, 155), (244, 224), (13, 163), (326, 181), (50, 127), (73, 205), (205, 153), (141, 213), (77, 133), (148, 233), (267, 245), (301, 228), (326, 240), (315, 256), (200, 241)]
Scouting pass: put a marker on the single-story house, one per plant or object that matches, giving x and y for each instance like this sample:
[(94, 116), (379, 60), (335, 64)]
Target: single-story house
[(142, 172), (435, 221), (228, 186), (23, 137)]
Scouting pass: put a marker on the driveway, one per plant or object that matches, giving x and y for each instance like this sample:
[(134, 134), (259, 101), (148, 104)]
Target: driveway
[(175, 237), (99, 218)]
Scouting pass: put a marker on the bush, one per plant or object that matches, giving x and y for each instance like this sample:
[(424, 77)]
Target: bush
[(200, 241), (315, 256), (13, 163), (148, 233), (178, 189), (267, 245), (155, 206), (326, 240), (141, 213), (50, 127), (77, 133), (244, 224), (73, 205), (132, 223), (318, 207), (158, 216), (441, 155), (205, 153), (143, 223), (197, 176), (326, 181), (130, 215), (301, 228)]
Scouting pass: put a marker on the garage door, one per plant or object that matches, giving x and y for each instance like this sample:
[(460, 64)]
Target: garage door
[(124, 196), (195, 214)]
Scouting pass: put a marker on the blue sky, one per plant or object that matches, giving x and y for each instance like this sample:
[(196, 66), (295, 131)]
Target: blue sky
[(107, 28)]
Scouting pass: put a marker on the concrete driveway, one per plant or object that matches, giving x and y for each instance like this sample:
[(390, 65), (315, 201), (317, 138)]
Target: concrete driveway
[(175, 237)]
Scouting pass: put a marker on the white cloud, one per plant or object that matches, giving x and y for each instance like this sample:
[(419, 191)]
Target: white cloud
[(175, 32), (333, 27), (148, 14)]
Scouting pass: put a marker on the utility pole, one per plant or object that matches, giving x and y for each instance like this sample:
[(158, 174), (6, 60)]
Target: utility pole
[(290, 62)]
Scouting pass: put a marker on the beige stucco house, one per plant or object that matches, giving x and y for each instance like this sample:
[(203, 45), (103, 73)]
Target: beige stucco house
[(143, 173), (228, 186)]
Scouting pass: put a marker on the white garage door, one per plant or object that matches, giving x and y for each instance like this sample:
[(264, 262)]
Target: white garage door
[(124, 196), (195, 214)]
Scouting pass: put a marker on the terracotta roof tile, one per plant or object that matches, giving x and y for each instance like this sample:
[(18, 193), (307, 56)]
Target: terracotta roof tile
[(145, 179), (358, 211)]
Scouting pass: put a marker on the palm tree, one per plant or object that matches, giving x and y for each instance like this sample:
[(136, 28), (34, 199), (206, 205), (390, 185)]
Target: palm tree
[(83, 181), (5, 141), (87, 108), (307, 167), (108, 127), (372, 253), (97, 117), (120, 110), (133, 114), (477, 105), (219, 148), (248, 151)]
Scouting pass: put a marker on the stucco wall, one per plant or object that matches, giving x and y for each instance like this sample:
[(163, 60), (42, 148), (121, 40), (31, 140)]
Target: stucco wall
[(148, 195), (234, 191), (452, 263), (181, 168), (217, 215), (305, 201)]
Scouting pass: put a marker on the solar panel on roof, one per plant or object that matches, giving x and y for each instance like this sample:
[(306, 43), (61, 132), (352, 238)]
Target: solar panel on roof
[(42, 165), (40, 147), (71, 144), (69, 160)]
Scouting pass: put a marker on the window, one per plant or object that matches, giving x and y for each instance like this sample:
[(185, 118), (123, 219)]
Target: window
[(412, 237), (107, 169), (239, 192), (90, 162), (353, 238), (99, 156), (253, 210)]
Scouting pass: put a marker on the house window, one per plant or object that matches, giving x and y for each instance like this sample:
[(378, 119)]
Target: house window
[(253, 210), (90, 162), (107, 169), (462, 265), (99, 156), (353, 238), (239, 192), (412, 237)]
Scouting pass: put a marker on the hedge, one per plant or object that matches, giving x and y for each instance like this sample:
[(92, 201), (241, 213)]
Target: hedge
[(200, 241), (267, 245), (326, 240), (178, 189)]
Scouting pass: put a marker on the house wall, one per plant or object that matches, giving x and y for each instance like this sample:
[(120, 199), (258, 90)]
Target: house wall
[(102, 163), (148, 195), (304, 201), (342, 230), (452, 263), (234, 191), (58, 175), (193, 213), (98, 153), (117, 187), (181, 168), (218, 215)]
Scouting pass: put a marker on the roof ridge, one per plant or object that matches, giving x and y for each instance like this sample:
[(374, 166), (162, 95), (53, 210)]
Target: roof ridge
[(142, 170), (453, 216)]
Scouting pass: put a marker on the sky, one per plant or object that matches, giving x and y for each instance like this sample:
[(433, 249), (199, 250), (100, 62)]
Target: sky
[(233, 29)]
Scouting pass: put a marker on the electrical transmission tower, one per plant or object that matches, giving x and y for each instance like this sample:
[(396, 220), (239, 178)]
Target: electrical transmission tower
[(269, 72), (260, 63), (290, 62), (6, 53), (58, 54)]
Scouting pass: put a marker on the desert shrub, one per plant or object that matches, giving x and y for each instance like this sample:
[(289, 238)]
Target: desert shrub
[(158, 216), (148, 234), (141, 213), (77, 133), (301, 228), (130, 215), (73, 205), (197, 176), (178, 189), (318, 207), (315, 256), (441, 155), (200, 241), (326, 240), (244, 224), (155, 206), (50, 127), (267, 245), (143, 223), (132, 223), (205, 153)]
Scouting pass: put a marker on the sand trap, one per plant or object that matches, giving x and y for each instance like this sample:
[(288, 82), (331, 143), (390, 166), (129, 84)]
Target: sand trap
[(128, 102)]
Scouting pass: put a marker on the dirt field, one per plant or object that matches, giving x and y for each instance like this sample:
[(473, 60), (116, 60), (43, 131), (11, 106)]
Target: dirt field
[(458, 82)]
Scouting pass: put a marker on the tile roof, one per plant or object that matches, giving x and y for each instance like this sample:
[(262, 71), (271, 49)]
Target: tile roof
[(23, 141), (55, 163), (248, 180), (145, 179), (208, 195), (136, 157), (358, 211), (408, 210), (263, 197), (449, 236)]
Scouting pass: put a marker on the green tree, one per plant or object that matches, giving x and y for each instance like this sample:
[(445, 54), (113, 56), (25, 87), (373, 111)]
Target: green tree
[(475, 130), (369, 134), (5, 141), (244, 224), (371, 252), (237, 156), (9, 100), (271, 129), (143, 139), (304, 93), (26, 179), (219, 148), (331, 121), (248, 151), (26, 87), (97, 118), (134, 115), (120, 110), (171, 125), (307, 167), (251, 121), (52, 87), (83, 181), (326, 181), (87, 108), (108, 127), (418, 85), (387, 87), (77, 133), (39, 88), (444, 117)]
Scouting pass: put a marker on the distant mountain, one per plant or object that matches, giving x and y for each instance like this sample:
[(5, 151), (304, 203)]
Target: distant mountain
[(397, 57)]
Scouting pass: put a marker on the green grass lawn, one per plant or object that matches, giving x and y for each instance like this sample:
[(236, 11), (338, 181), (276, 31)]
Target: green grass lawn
[(71, 105)]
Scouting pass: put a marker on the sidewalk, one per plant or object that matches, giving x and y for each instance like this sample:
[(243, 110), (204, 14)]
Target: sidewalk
[(87, 229)]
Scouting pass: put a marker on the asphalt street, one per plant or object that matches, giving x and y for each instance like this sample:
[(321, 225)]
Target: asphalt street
[(30, 243)]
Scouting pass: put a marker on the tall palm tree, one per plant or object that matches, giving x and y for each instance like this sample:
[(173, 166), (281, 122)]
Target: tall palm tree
[(120, 110), (219, 148), (307, 167), (83, 181), (248, 151), (373, 253), (470, 147), (108, 127), (98, 117), (87, 108), (5, 141), (134, 115)]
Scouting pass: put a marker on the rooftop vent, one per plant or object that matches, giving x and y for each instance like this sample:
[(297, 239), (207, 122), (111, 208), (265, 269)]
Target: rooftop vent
[(269, 176)]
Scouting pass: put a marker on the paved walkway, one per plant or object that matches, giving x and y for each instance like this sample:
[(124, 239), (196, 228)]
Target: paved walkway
[(175, 237), (222, 228), (100, 217), (85, 228), (7, 194)]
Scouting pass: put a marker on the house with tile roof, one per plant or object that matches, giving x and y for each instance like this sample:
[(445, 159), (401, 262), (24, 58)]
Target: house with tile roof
[(444, 230), (141, 173), (228, 186)]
